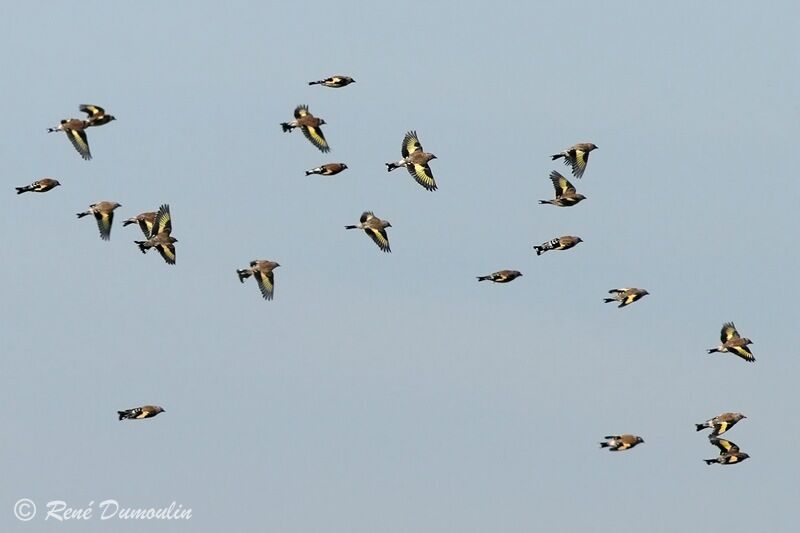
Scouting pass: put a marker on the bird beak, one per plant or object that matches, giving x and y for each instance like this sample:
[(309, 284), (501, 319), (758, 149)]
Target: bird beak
[(277, 265)]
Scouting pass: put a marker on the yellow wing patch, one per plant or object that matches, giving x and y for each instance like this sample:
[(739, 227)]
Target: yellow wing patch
[(167, 252), (265, 283), (80, 142), (423, 175), (380, 238), (316, 137)]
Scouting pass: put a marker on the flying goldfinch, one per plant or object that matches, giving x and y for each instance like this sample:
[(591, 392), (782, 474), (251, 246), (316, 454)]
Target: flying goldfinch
[(42, 185), (566, 196), (375, 228), (328, 169), (262, 270), (139, 413), (145, 222), (501, 276), (334, 81), (310, 125), (104, 214), (161, 236), (96, 115), (618, 443), (733, 343), (720, 423), (415, 160), (559, 243), (728, 453), (75, 128), (626, 296), (576, 156)]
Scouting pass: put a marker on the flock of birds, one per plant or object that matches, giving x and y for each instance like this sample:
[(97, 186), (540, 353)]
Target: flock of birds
[(157, 229)]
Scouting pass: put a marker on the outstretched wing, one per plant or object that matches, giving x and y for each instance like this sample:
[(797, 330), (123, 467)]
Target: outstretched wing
[(266, 283), (163, 221), (728, 332), (315, 135), (411, 144), (80, 142), (423, 175), (380, 238)]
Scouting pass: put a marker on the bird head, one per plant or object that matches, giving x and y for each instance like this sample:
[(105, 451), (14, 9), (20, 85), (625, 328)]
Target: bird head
[(578, 240), (160, 409), (343, 166), (56, 184), (592, 146), (116, 205), (639, 439), (433, 156), (387, 224), (580, 197), (322, 121)]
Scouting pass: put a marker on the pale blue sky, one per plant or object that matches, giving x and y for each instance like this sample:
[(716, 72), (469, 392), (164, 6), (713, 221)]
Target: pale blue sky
[(392, 392)]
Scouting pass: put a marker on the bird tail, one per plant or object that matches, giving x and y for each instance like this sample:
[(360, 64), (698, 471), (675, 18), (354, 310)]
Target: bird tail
[(286, 127), (557, 156), (712, 350), (700, 427), (244, 273), (318, 82), (21, 190), (317, 170), (142, 246), (545, 202), (81, 215), (710, 461), (51, 130), (129, 222), (609, 300), (351, 227), (123, 415), (604, 445), (391, 166), (484, 278), (539, 250)]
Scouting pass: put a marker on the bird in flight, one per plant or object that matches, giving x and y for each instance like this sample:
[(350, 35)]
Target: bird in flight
[(262, 270), (309, 125), (415, 160), (559, 243), (42, 185), (618, 443), (626, 296), (501, 276), (566, 196), (728, 453), (161, 236), (375, 228), (577, 157), (139, 413), (720, 423), (334, 81), (104, 214), (733, 343)]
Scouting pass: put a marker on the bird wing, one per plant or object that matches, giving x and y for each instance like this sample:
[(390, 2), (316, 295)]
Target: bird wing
[(720, 427), (146, 225), (561, 184), (366, 215), (92, 110), (104, 221), (422, 174), (163, 221), (578, 159), (743, 351), (380, 237), (315, 135), (301, 111), (80, 142), (411, 144), (167, 251), (725, 446), (266, 283), (728, 332)]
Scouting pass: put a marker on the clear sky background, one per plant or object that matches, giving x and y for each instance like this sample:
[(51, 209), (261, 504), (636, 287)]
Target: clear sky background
[(392, 392)]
